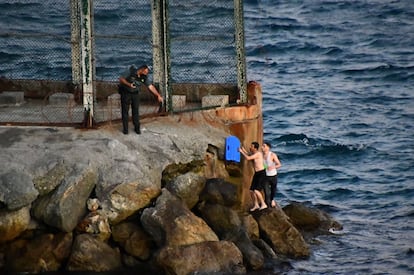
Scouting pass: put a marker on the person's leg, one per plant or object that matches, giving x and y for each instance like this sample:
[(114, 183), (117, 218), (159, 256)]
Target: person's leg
[(273, 190), (262, 183), (135, 112), (256, 204), (260, 199), (124, 111), (267, 190)]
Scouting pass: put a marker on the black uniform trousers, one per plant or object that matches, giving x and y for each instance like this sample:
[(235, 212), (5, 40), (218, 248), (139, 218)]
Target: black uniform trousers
[(130, 99)]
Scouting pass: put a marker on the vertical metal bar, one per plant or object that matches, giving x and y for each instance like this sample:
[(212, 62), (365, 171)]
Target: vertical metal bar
[(75, 43), (167, 56), (241, 57), (157, 58), (93, 59), (86, 60)]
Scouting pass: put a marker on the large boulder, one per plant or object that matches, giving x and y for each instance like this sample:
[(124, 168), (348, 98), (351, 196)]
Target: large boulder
[(310, 219), (128, 198), (202, 258), (66, 205), (187, 187), (228, 226), (45, 253), (282, 236), (133, 239), (16, 189), (220, 191), (171, 223), (13, 223), (91, 254), (53, 172)]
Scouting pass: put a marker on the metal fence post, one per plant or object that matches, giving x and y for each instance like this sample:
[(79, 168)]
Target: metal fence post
[(86, 60), (157, 52), (75, 43), (160, 48), (241, 57)]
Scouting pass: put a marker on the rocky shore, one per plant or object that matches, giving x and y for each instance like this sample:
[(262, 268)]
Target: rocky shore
[(163, 202)]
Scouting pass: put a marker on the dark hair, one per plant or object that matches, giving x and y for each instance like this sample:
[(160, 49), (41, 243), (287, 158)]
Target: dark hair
[(268, 144), (255, 144), (142, 67)]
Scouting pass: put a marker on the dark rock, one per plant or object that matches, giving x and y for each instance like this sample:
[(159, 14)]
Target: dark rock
[(282, 236), (43, 253), (311, 219), (91, 254), (202, 258), (133, 240), (219, 191)]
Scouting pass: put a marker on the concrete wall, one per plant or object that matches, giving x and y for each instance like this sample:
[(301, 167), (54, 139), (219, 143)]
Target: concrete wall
[(40, 89)]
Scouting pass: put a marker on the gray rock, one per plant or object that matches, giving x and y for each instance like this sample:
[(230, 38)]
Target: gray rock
[(66, 206), (187, 187), (16, 189)]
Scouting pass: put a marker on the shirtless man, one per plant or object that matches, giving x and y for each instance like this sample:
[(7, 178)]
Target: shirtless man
[(259, 176)]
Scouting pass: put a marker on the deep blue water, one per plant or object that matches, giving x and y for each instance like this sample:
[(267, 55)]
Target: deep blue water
[(338, 88), (338, 102)]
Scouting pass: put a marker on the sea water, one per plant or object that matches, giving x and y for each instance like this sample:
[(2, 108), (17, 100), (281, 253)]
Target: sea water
[(338, 102)]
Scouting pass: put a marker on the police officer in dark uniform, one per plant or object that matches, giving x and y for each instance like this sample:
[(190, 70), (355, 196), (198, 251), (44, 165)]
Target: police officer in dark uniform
[(129, 86)]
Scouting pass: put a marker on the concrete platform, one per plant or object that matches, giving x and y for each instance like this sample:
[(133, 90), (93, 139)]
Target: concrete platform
[(215, 100), (178, 101), (11, 98), (114, 100), (61, 99)]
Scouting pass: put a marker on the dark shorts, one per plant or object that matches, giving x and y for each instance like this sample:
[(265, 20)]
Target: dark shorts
[(259, 179)]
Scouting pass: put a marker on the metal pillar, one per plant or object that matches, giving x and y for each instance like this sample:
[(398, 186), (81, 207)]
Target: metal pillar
[(161, 51), (86, 45), (75, 42), (240, 50), (157, 52)]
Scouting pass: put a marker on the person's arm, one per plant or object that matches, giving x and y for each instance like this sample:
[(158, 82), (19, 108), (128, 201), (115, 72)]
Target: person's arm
[(246, 155), (155, 92), (125, 82), (276, 161)]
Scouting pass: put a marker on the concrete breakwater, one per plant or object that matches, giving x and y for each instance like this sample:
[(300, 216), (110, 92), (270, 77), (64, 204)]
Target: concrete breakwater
[(97, 200)]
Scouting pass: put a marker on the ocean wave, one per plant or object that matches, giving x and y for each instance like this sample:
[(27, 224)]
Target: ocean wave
[(321, 145), (367, 68)]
